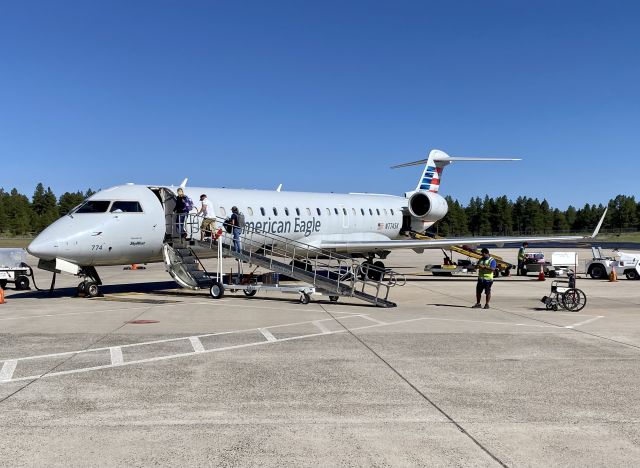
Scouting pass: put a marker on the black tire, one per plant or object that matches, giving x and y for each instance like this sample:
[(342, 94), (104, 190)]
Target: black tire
[(216, 290), (552, 273), (597, 271), (304, 298), (249, 292), (632, 274), (3, 284), (376, 271), (91, 289), (81, 289), (333, 298), (574, 300), (364, 270), (22, 283), (506, 272)]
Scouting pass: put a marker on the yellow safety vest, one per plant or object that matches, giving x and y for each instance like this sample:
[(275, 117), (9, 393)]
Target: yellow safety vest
[(521, 255), (483, 274)]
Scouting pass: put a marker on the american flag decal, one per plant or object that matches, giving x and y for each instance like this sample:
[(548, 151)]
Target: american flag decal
[(380, 226)]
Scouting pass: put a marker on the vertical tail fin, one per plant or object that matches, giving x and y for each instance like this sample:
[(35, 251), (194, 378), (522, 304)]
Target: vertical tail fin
[(435, 164)]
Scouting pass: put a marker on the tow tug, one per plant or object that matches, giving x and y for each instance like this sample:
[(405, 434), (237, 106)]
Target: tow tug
[(600, 267)]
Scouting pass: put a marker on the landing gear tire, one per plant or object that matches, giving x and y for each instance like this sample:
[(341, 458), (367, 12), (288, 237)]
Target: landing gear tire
[(216, 290), (22, 283), (91, 289), (333, 298), (3, 284), (249, 292), (376, 272), (81, 289), (304, 298)]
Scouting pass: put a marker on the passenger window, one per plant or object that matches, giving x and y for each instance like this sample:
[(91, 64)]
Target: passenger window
[(223, 212), (250, 211), (298, 211), (391, 211), (378, 211), (262, 211), (318, 210), (385, 211), (309, 211), (329, 211), (344, 210), (94, 206), (362, 211), (286, 211), (336, 210), (354, 211), (126, 207), (370, 211), (275, 211)]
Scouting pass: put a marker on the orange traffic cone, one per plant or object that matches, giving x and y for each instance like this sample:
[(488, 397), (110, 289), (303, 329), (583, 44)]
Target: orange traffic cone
[(613, 276), (541, 276), (1, 295), (134, 266)]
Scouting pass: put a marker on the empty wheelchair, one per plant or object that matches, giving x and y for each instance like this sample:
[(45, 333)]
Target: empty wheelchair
[(565, 297)]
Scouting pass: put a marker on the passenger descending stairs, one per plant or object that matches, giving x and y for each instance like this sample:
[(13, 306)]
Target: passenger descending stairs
[(328, 272)]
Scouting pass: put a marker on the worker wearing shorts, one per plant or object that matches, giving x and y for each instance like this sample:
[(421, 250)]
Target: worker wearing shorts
[(486, 267)]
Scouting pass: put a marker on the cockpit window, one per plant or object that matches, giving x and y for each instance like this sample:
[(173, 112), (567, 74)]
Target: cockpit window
[(94, 206), (126, 207)]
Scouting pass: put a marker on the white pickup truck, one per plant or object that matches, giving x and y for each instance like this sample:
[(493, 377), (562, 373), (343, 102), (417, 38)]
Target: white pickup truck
[(624, 263)]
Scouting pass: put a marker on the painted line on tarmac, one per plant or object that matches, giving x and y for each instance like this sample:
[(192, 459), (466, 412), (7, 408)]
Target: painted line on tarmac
[(115, 362), (584, 322), (7, 370)]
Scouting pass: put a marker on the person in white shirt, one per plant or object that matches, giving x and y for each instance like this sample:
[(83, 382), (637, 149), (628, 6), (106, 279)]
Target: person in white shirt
[(206, 211)]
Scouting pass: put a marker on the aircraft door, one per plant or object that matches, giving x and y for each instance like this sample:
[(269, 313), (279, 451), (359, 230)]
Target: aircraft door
[(168, 200)]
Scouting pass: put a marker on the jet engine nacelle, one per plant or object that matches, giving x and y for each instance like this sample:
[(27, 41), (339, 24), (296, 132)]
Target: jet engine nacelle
[(427, 206)]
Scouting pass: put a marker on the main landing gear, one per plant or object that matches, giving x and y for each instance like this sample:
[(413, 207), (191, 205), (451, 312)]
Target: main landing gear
[(90, 285), (374, 270)]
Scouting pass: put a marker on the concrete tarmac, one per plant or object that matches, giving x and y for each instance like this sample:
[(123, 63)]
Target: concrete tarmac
[(151, 374)]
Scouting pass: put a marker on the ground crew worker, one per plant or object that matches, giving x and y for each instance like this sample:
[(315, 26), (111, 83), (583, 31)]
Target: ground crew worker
[(486, 267), (521, 259)]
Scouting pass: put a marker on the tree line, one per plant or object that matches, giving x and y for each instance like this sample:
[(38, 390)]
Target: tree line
[(525, 216), (20, 215)]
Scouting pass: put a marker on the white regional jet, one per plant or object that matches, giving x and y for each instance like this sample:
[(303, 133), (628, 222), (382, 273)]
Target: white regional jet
[(126, 224)]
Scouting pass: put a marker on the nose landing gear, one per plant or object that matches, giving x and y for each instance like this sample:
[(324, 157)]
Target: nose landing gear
[(90, 285)]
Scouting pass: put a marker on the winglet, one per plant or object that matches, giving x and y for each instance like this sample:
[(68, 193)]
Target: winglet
[(279, 188), (184, 183), (597, 229)]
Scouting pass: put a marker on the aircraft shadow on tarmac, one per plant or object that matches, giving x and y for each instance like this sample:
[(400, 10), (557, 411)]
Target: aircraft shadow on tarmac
[(105, 289)]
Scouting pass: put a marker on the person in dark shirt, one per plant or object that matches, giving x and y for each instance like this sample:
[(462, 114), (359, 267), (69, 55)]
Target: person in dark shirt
[(182, 208), (236, 228)]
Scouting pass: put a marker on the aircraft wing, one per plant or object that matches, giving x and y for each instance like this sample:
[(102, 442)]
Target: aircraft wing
[(420, 244)]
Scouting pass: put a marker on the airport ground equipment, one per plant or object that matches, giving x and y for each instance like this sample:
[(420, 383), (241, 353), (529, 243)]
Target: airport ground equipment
[(326, 272), (449, 268), (565, 295), (14, 269), (601, 265)]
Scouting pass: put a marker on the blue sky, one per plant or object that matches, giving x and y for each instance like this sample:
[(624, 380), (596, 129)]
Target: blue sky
[(322, 96)]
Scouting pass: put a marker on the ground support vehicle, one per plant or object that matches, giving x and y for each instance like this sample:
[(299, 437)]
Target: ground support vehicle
[(600, 267), (449, 268), (565, 295), (13, 269)]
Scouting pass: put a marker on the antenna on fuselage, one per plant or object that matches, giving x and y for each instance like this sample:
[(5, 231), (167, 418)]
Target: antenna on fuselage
[(184, 183)]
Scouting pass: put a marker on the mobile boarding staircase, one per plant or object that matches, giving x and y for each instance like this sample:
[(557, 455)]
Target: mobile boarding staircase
[(330, 273)]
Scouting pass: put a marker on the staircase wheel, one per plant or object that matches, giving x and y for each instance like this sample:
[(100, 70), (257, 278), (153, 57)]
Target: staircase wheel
[(304, 298), (216, 290), (249, 292), (333, 298)]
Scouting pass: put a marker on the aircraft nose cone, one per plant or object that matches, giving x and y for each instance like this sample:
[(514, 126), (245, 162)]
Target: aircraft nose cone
[(42, 248)]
